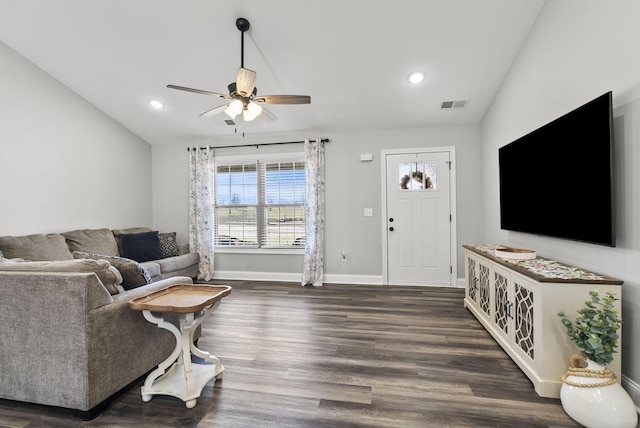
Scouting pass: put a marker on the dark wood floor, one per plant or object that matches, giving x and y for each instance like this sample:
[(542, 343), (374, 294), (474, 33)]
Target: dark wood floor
[(336, 356)]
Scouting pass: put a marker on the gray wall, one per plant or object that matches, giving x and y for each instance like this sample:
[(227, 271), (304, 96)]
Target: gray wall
[(63, 163), (351, 186), (577, 50)]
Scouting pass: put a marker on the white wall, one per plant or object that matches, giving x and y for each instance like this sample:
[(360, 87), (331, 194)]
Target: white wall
[(578, 50), (351, 186), (63, 163)]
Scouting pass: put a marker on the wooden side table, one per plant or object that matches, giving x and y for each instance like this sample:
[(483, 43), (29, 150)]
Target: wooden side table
[(185, 378)]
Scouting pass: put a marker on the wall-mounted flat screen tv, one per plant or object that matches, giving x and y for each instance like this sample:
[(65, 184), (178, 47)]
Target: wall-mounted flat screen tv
[(558, 180)]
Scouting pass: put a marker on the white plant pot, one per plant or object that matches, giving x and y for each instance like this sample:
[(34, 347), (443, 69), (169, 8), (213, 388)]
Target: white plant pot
[(607, 406)]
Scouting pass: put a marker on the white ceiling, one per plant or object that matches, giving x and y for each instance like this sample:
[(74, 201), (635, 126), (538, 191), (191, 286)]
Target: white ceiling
[(351, 56)]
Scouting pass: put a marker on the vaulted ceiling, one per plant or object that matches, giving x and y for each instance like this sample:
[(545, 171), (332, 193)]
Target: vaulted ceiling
[(351, 56)]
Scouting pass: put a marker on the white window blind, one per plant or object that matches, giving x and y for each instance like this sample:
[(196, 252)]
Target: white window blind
[(283, 210), (260, 204), (236, 197)]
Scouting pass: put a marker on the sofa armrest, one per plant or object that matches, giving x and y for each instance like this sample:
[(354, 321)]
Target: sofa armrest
[(183, 249), (44, 338)]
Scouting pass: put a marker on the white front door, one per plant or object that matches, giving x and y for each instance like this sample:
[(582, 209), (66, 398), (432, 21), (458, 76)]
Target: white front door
[(418, 218)]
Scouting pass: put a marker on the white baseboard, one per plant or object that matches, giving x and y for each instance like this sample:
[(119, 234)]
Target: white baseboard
[(256, 276), (633, 389), (353, 279), (295, 277)]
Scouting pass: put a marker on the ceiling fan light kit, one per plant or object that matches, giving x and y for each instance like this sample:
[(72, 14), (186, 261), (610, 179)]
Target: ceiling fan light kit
[(252, 111), (243, 91), (234, 108)]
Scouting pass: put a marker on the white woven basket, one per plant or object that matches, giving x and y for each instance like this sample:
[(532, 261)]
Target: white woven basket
[(515, 253)]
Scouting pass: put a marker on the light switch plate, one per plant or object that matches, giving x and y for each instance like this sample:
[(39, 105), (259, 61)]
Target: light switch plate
[(368, 212)]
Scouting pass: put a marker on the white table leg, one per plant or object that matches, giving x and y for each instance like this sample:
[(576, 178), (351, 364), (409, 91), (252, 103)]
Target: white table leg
[(184, 379), (163, 366), (219, 368)]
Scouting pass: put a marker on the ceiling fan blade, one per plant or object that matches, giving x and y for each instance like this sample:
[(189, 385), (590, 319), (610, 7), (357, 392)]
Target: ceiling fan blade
[(214, 111), (199, 91), (267, 115), (283, 99), (245, 82)]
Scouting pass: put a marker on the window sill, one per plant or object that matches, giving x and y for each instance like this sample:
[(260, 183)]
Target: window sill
[(283, 251)]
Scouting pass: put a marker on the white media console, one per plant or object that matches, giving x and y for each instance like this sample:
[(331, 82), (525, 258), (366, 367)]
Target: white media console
[(517, 302)]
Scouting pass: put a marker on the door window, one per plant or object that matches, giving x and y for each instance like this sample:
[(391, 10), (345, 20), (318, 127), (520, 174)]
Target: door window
[(418, 175)]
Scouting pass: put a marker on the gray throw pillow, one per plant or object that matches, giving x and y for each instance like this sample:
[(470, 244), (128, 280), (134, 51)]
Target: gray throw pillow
[(133, 274)]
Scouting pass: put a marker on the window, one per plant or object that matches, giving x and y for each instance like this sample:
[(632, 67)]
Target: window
[(418, 175), (260, 204)]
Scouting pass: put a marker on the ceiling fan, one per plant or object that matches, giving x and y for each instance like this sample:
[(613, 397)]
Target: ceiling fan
[(244, 93)]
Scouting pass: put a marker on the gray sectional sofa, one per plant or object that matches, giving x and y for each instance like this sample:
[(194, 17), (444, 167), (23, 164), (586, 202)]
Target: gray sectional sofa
[(157, 253), (68, 336)]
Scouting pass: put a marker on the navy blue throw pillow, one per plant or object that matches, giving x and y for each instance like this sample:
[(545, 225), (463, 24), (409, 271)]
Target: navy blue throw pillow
[(140, 247)]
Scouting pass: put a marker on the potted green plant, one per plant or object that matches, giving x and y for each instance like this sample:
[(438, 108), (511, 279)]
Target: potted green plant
[(595, 329), (590, 392)]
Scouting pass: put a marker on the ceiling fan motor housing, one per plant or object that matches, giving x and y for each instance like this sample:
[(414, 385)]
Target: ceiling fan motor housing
[(234, 92)]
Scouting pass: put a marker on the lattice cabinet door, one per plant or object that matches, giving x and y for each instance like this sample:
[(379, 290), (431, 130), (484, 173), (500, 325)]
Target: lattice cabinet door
[(484, 288), (523, 316), (471, 284), (478, 285), (502, 317)]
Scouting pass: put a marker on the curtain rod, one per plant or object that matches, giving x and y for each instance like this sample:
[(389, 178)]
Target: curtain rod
[(322, 140)]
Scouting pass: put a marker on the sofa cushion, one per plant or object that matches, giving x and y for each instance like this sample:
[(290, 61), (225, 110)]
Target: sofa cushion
[(118, 232), (36, 247), (101, 268), (152, 268), (133, 274), (141, 247), (173, 264), (168, 244), (96, 241)]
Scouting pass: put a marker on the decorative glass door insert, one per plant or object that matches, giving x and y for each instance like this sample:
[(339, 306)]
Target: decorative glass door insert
[(418, 175)]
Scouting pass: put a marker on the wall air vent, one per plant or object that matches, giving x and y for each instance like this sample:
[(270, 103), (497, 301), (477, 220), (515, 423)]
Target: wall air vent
[(454, 104)]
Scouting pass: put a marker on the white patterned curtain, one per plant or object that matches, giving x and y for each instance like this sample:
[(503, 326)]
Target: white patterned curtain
[(313, 270), (201, 219)]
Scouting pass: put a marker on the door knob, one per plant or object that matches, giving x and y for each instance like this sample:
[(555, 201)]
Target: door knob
[(391, 229), (391, 220)]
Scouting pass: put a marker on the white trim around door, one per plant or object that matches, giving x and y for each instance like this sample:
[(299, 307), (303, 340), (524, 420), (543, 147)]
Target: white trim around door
[(452, 280)]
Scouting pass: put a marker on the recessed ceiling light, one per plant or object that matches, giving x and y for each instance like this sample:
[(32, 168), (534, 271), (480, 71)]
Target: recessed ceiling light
[(156, 104), (416, 77)]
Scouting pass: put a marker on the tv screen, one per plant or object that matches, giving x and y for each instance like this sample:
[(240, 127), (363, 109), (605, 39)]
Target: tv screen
[(558, 180)]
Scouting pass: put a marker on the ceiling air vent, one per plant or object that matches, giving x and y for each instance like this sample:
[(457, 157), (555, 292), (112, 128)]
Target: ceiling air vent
[(229, 122), (454, 104)]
